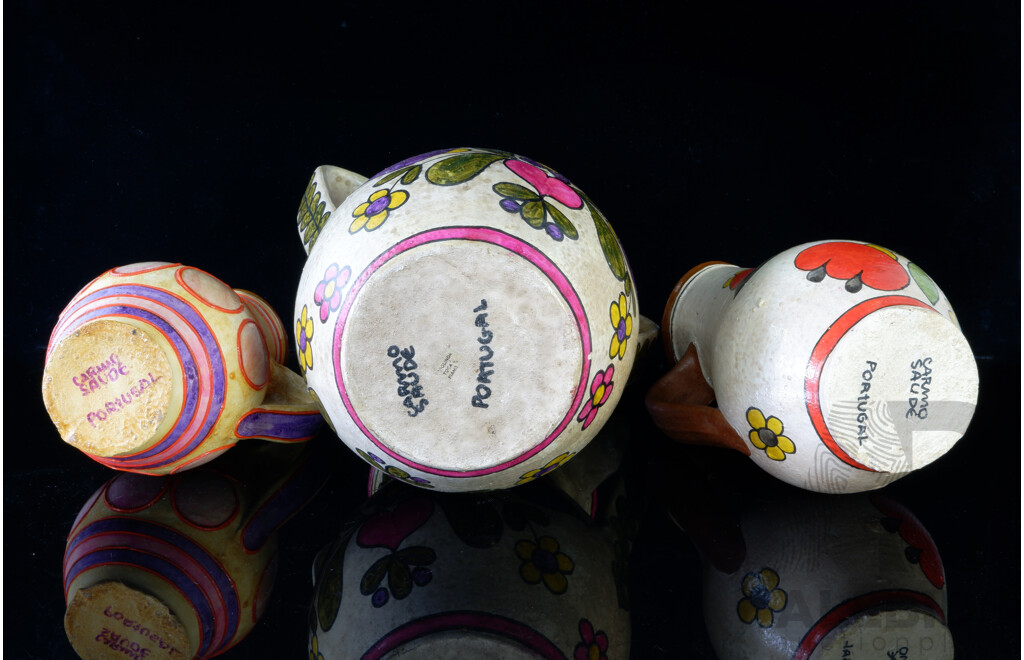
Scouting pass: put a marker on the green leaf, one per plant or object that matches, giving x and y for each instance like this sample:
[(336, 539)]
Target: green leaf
[(515, 191), (373, 576), (412, 174), (417, 555), (459, 169), (931, 291), (328, 592), (568, 229), (399, 580), (311, 215), (610, 246), (533, 212)]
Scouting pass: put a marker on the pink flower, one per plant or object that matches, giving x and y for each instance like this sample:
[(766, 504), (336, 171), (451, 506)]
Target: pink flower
[(328, 293), (546, 185), (593, 646), (600, 390)]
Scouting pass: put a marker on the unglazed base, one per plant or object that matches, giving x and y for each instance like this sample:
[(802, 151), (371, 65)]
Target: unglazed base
[(895, 406), (495, 351), (107, 387), (114, 621), (895, 634)]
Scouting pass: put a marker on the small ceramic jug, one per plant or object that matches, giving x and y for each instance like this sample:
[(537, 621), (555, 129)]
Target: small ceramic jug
[(837, 366), (157, 367), (182, 566), (464, 575), (466, 316), (819, 577)]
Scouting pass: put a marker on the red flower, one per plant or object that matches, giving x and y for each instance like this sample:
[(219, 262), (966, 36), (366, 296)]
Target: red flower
[(857, 263), (921, 550), (594, 644)]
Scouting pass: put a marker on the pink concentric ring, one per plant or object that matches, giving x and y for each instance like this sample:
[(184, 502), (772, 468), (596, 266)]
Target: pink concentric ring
[(492, 237)]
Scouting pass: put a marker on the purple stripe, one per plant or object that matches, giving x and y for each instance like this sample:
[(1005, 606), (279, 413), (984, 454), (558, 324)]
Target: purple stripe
[(210, 565), (161, 567), (202, 330), (283, 426), (291, 497)]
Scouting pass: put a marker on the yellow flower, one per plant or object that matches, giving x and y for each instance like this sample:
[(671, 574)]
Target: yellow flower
[(540, 472), (766, 434), (373, 212), (314, 650), (622, 322), (304, 336), (762, 598), (543, 561)]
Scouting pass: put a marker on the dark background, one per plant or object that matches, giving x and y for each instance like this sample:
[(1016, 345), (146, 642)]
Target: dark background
[(163, 131)]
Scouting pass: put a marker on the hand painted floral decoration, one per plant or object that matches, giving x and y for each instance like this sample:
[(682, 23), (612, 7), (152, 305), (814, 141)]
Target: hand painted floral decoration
[(373, 212), (328, 292), (533, 205), (304, 336), (593, 646), (393, 471), (761, 598), (766, 434), (314, 650), (600, 390), (622, 322), (542, 561), (552, 465), (858, 263), (403, 567)]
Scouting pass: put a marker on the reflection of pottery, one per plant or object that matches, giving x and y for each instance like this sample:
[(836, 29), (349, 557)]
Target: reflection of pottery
[(157, 367), (837, 366), (182, 566), (463, 575), (829, 577), (465, 316)]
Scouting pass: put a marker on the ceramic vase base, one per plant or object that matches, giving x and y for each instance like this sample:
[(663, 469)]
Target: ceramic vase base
[(112, 621), (893, 406), (108, 387), (459, 354), (463, 644), (906, 634)]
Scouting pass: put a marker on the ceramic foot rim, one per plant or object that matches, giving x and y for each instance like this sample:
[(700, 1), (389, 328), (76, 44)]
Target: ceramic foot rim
[(108, 387), (113, 621)]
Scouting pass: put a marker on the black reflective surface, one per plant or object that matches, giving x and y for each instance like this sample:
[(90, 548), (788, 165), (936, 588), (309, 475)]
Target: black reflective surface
[(138, 133)]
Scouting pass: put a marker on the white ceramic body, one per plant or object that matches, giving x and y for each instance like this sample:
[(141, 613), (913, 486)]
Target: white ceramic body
[(830, 577), (846, 350), (465, 317), (460, 575)]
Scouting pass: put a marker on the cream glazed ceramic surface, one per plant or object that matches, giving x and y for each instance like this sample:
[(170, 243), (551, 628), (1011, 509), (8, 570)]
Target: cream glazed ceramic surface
[(465, 316), (182, 566), (466, 575), (839, 364), (157, 367), (823, 577)]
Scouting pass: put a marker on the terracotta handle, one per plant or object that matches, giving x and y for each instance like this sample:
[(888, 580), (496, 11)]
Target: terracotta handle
[(679, 405), (288, 412)]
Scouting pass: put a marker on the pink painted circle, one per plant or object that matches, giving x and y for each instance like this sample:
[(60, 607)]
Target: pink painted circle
[(129, 492), (141, 267), (209, 290), (253, 357), (263, 589), (205, 499)]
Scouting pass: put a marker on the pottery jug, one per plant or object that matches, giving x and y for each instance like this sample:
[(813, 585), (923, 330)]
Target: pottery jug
[(837, 366), (816, 576), (182, 566), (157, 367), (507, 574), (465, 316)]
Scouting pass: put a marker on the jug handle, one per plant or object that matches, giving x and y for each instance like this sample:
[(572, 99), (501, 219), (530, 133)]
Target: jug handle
[(679, 404), (327, 189)]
